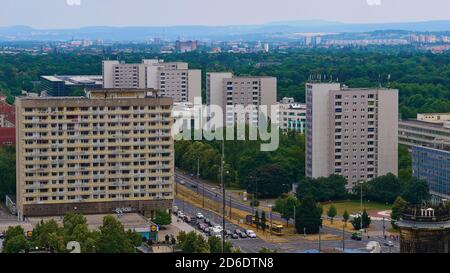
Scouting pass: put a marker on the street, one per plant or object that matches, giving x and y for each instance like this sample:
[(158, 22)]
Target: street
[(293, 246)]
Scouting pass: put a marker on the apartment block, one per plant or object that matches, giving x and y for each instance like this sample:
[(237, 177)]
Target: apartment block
[(292, 115), (173, 79), (7, 122), (351, 132), (109, 150), (228, 91)]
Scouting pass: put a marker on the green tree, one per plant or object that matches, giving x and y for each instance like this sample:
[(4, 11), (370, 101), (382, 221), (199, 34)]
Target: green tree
[(16, 244), (366, 219), (399, 205), (113, 238), (162, 218), (345, 217), (415, 191), (257, 220), (215, 245), (263, 220), (7, 171), (267, 250), (15, 240), (286, 205), (331, 213), (192, 242), (47, 235), (268, 178), (308, 216)]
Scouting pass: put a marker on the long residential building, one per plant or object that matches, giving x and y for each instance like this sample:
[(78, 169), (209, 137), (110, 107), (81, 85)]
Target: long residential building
[(110, 150), (351, 132), (228, 91), (173, 79), (424, 130)]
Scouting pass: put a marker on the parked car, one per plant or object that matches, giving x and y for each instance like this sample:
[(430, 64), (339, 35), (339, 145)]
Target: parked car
[(388, 243), (182, 182), (194, 186), (200, 215), (207, 221), (234, 236), (180, 214), (243, 235), (250, 233), (356, 236), (175, 209), (2, 236), (187, 219), (228, 232), (237, 231)]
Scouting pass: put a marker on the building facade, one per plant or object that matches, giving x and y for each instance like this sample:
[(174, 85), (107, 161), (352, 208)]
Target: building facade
[(351, 132), (422, 132), (432, 164), (7, 122), (186, 46), (424, 230), (292, 115), (63, 85), (228, 91), (96, 154), (173, 79)]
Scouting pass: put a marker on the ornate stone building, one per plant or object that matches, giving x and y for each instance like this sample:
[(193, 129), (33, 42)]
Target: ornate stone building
[(425, 230)]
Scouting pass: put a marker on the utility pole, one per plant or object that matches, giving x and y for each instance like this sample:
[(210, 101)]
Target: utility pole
[(198, 173), (320, 243), (223, 193), (384, 227), (343, 237), (361, 183), (230, 206), (203, 200)]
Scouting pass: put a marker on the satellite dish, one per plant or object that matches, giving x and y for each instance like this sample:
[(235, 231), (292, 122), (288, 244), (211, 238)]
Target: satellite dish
[(374, 247)]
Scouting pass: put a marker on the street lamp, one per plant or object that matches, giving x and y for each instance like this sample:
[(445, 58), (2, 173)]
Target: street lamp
[(271, 222), (361, 184)]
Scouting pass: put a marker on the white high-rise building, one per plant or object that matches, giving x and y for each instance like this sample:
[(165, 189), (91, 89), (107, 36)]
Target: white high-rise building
[(292, 115), (227, 91), (351, 132), (172, 79)]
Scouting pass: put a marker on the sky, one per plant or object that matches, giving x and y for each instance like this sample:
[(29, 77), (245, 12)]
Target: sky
[(59, 14)]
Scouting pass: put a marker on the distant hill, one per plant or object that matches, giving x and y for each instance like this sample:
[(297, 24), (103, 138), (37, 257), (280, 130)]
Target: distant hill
[(15, 33)]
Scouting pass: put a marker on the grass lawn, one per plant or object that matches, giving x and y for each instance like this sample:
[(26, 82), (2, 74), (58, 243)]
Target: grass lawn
[(354, 206)]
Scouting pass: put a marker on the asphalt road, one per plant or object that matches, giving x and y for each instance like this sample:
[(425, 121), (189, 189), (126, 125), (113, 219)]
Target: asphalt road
[(215, 194), (297, 245)]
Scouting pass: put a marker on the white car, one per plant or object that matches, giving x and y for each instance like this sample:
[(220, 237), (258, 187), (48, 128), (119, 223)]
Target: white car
[(200, 215), (180, 214), (220, 228), (250, 233)]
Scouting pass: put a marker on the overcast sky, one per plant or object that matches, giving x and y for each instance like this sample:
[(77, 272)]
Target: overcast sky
[(68, 14)]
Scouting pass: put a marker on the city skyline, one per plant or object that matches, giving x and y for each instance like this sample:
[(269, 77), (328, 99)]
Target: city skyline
[(67, 13)]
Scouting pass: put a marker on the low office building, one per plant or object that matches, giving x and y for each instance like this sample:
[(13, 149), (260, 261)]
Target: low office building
[(109, 151), (424, 130), (172, 79), (292, 115), (432, 164), (64, 85)]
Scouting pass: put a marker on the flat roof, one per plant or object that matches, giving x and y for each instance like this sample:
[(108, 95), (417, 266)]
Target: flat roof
[(437, 125), (75, 79)]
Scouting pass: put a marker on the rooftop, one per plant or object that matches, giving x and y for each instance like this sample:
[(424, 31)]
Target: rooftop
[(75, 79)]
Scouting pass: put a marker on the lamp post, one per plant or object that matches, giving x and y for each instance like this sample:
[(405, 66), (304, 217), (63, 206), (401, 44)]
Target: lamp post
[(198, 173), (361, 184), (223, 193), (271, 222)]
